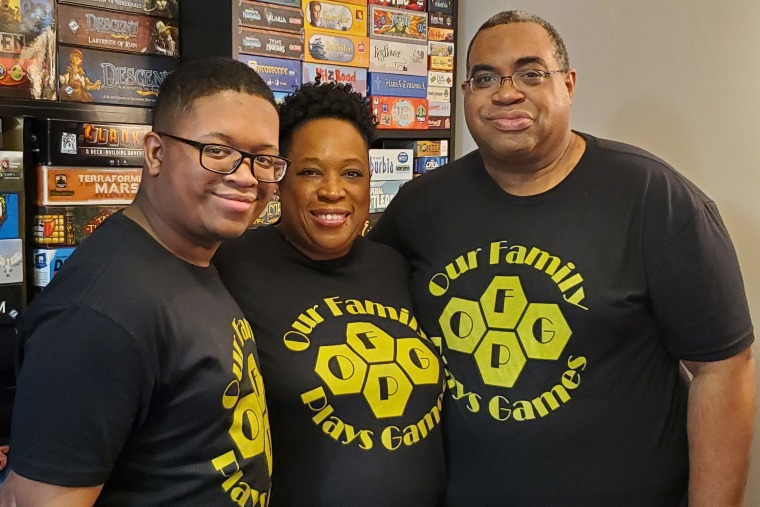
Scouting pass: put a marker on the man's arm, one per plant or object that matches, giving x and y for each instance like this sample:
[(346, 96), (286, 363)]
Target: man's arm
[(19, 491), (721, 414)]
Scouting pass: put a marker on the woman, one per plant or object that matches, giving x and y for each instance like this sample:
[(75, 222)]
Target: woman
[(354, 387)]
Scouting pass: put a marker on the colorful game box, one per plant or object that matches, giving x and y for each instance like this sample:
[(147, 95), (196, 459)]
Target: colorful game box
[(445, 6), (11, 171), (47, 262), (439, 108), (420, 148), (441, 63), (398, 57), (9, 216), (328, 16), (381, 193), (89, 75), (11, 261), (398, 85), (438, 94), (412, 5), (441, 20), (437, 48), (68, 225), (439, 122), (64, 186), (398, 25), (267, 16), (400, 113), (438, 78), (255, 41), (440, 34), (347, 50), (279, 74), (27, 49), (71, 143), (117, 31), (425, 164), (387, 164), (160, 8), (354, 76)]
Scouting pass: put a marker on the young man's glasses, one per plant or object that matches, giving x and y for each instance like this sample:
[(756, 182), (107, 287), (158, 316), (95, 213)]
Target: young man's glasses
[(521, 80), (222, 159)]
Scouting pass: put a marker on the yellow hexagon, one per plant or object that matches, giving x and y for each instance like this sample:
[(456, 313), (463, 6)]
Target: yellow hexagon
[(418, 361), (500, 358), (462, 325), (341, 369), (543, 331), (387, 390), (370, 342), (503, 302)]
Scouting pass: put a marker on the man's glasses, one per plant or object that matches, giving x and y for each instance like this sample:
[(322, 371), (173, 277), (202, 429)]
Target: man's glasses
[(222, 159), (522, 80)]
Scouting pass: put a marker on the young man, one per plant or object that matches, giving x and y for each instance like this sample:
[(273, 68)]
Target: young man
[(140, 382), (586, 273)]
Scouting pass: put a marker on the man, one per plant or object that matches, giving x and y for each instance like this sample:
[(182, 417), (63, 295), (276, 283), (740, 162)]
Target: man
[(139, 383), (315, 13), (568, 278)]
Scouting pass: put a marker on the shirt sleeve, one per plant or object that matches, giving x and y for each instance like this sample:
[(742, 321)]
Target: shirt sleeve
[(83, 384), (694, 280)]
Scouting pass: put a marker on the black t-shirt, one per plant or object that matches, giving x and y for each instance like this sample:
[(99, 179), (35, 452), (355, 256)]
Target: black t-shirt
[(140, 373), (562, 317), (353, 384)]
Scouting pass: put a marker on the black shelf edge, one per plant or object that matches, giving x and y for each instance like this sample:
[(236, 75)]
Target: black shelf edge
[(74, 111), (414, 134)]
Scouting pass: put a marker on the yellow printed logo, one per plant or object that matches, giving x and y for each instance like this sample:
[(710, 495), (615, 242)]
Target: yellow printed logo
[(382, 369), (504, 332), (249, 430), (366, 361)]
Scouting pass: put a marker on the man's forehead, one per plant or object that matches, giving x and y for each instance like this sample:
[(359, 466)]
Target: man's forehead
[(512, 44)]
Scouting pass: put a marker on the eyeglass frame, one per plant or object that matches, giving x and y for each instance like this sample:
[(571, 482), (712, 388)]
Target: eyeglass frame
[(243, 155), (468, 82)]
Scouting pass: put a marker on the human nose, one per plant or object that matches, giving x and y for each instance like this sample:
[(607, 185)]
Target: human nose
[(331, 189), (508, 93), (243, 175)]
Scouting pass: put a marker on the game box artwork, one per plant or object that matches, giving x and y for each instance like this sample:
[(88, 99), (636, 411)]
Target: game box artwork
[(160, 8), (254, 41), (335, 17), (89, 75), (412, 5), (347, 50), (11, 171), (354, 76), (280, 74), (68, 225), (400, 113), (67, 186), (441, 20), (398, 57), (27, 49), (117, 31), (47, 262), (398, 25), (71, 143), (270, 17)]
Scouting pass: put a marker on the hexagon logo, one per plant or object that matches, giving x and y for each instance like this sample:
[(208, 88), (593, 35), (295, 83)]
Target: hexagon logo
[(500, 358), (418, 361), (341, 369), (387, 390), (370, 342), (543, 331), (503, 302), (462, 325)]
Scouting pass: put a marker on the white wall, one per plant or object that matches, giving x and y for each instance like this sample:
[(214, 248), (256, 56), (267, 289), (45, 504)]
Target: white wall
[(678, 78)]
